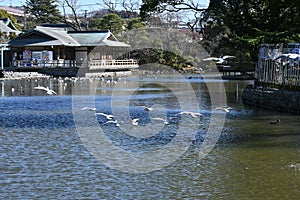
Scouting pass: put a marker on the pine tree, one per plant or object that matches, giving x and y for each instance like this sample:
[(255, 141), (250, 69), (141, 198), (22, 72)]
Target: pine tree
[(43, 11)]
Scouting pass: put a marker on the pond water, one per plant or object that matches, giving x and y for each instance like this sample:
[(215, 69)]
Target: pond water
[(44, 155)]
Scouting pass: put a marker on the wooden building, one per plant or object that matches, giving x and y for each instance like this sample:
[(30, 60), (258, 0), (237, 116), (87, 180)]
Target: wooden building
[(48, 47)]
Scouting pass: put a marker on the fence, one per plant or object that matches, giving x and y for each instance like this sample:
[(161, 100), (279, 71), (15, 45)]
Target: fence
[(51, 63), (278, 66), (92, 64), (113, 64)]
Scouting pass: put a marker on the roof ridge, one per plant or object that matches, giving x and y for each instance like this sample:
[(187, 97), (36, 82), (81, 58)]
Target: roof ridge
[(58, 33)]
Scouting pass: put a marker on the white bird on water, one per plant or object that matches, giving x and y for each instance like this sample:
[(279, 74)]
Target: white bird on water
[(219, 60), (49, 91)]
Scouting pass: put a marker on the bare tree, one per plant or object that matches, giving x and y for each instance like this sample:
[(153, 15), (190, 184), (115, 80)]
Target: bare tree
[(73, 6), (109, 4), (191, 10), (196, 25), (130, 6), (180, 5)]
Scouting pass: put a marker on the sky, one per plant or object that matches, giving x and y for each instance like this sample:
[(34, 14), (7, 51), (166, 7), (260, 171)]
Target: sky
[(86, 4), (90, 5)]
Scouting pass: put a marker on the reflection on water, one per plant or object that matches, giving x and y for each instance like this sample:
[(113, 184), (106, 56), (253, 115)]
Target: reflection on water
[(42, 156)]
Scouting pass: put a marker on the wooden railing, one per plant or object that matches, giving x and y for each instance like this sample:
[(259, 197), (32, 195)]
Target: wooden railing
[(284, 73), (92, 64), (113, 64), (52, 63), (276, 69)]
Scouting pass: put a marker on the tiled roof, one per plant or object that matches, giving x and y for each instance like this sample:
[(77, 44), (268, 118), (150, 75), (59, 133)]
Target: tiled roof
[(97, 38), (7, 26), (111, 43), (88, 38), (59, 34), (62, 37)]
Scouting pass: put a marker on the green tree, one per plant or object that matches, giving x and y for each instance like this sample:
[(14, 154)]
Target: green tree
[(44, 11), (4, 14), (135, 23), (252, 22), (111, 22), (239, 26), (253, 17)]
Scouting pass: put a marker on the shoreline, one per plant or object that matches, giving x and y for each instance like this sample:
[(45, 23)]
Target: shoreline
[(12, 75), (272, 99)]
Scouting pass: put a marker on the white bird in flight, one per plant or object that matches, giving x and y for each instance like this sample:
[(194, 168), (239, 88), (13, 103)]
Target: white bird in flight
[(219, 60), (161, 119), (49, 91), (135, 121), (107, 116), (88, 108), (193, 114), (293, 56), (224, 108), (112, 122)]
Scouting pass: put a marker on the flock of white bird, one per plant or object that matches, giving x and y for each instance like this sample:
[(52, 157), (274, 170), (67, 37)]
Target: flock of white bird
[(23, 75), (135, 121), (35, 76)]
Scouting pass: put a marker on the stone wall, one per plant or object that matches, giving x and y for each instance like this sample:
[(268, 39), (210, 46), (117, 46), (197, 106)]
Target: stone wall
[(275, 99)]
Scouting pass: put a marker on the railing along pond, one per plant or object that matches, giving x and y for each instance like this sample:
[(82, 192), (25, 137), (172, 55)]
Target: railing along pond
[(37, 64), (278, 66), (92, 64), (113, 64)]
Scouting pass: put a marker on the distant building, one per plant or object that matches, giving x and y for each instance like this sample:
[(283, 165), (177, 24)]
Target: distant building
[(7, 30), (7, 26), (14, 11), (17, 12)]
